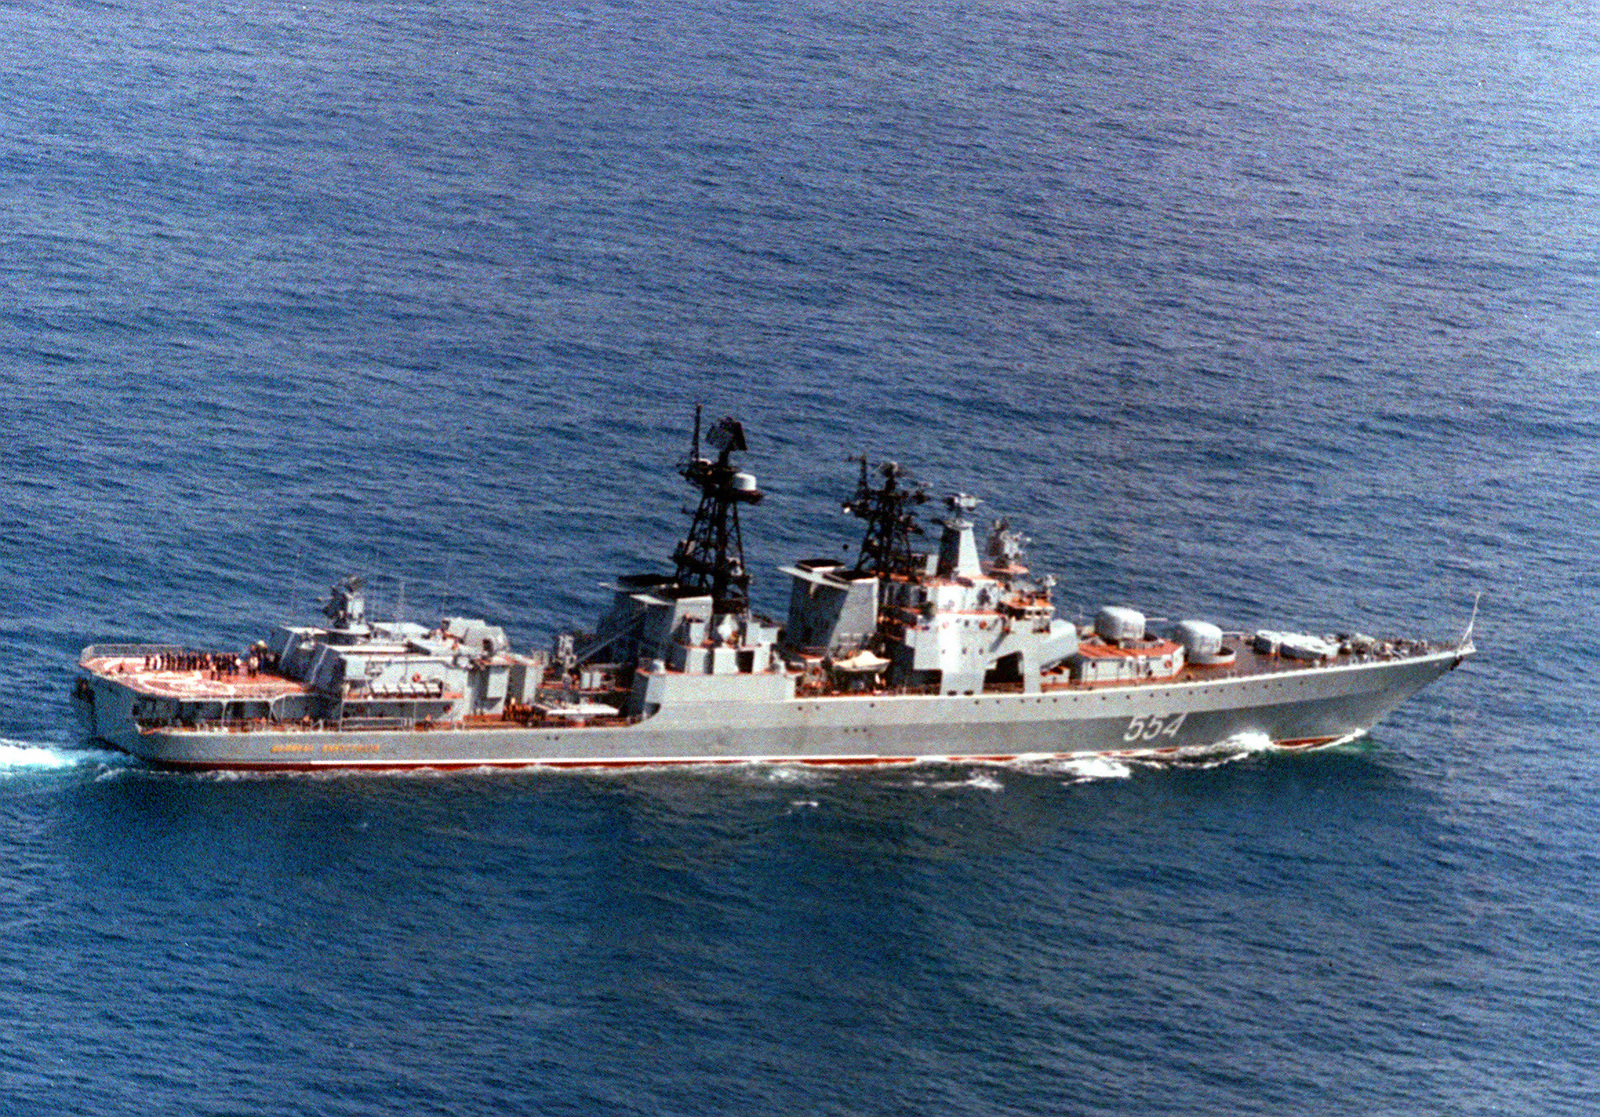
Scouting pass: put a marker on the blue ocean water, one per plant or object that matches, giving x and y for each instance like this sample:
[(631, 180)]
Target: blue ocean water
[(1265, 312)]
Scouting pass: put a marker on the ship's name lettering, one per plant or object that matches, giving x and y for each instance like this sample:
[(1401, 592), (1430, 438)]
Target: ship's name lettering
[(1156, 725), (350, 748)]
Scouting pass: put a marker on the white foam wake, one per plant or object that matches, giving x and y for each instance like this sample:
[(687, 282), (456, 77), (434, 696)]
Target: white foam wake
[(983, 781), (1122, 765), (1077, 769), (22, 756), (1089, 768), (1229, 750)]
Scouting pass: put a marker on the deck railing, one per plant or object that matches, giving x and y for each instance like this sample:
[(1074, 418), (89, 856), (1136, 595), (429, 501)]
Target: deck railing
[(110, 651)]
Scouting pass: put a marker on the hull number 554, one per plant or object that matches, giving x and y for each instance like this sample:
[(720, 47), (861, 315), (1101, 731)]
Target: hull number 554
[(1149, 728)]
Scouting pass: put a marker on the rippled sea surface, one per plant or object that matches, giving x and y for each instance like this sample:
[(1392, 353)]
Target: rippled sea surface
[(1267, 313)]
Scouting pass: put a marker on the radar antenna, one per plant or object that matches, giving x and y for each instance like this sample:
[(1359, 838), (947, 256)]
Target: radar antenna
[(891, 520), (711, 559), (346, 609)]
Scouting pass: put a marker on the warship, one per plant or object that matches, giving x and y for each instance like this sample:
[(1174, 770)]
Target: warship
[(952, 653)]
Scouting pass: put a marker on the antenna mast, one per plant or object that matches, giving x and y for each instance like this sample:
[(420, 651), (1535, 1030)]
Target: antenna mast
[(711, 559), (891, 520)]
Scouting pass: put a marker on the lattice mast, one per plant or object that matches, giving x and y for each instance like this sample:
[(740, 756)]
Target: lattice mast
[(891, 521), (711, 559)]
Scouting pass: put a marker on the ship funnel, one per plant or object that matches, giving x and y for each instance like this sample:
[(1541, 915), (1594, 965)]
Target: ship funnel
[(958, 551)]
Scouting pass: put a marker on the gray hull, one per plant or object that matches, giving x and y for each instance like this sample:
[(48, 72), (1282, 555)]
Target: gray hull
[(1291, 708)]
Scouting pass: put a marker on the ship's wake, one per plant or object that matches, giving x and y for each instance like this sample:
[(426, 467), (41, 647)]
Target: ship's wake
[(1094, 769), (983, 781), (21, 758), (1230, 750), (1121, 766), (989, 774)]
